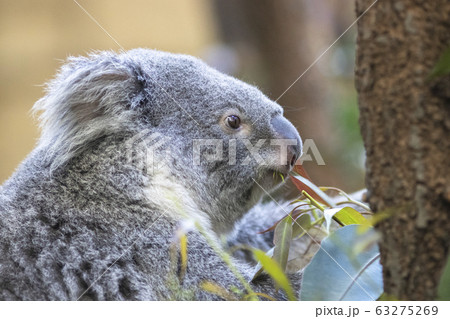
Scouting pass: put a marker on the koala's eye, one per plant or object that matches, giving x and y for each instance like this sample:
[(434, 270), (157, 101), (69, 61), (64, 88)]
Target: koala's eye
[(233, 121)]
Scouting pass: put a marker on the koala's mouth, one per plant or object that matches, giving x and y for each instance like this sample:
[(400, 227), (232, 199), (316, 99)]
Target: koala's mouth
[(273, 177), (278, 174), (268, 180), (280, 171)]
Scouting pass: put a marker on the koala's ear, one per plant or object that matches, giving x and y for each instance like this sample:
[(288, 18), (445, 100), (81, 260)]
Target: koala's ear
[(89, 98)]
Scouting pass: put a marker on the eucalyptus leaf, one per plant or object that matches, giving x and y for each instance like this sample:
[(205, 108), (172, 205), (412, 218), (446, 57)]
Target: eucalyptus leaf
[(336, 272), (344, 216), (442, 67), (282, 241), (274, 271), (328, 215), (183, 254), (259, 268), (444, 284), (301, 225), (350, 216)]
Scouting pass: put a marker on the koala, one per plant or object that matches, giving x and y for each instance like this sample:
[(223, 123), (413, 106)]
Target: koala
[(139, 151)]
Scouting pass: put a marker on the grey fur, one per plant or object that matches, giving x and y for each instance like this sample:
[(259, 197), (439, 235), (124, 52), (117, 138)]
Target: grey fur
[(80, 220)]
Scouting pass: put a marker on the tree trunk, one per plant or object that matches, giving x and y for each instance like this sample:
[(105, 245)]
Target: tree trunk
[(405, 126)]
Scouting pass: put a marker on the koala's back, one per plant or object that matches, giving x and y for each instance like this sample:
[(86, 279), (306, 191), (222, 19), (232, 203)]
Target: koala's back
[(58, 236)]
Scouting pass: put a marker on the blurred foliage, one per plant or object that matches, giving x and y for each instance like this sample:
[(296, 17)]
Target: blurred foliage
[(444, 284), (338, 272), (350, 152), (442, 66), (347, 252)]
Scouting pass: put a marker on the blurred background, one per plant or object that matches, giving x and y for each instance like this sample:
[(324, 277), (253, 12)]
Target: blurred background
[(268, 43)]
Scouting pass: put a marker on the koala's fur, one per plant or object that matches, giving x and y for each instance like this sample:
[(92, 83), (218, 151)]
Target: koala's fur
[(79, 220)]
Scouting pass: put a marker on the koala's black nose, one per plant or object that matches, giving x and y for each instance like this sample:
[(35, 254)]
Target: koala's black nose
[(284, 130)]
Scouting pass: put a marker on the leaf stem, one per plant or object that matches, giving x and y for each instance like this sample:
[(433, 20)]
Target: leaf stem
[(313, 201), (354, 202)]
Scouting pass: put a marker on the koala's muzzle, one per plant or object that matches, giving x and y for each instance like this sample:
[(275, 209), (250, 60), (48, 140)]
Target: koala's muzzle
[(286, 132)]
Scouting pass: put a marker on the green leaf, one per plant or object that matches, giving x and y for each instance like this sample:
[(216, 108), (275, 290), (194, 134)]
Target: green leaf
[(282, 240), (337, 273), (259, 268), (217, 290), (328, 214), (274, 271), (301, 225), (344, 216), (256, 295), (442, 67), (183, 254), (350, 216), (444, 284)]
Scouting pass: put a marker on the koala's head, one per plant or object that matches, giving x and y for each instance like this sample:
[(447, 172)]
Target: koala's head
[(222, 139)]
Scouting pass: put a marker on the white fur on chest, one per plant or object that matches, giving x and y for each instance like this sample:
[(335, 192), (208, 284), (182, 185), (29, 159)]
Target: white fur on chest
[(173, 199)]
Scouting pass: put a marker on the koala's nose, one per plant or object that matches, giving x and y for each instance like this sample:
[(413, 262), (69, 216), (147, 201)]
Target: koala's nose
[(284, 130)]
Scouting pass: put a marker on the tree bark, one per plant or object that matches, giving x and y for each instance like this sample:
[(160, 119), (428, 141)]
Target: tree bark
[(405, 126)]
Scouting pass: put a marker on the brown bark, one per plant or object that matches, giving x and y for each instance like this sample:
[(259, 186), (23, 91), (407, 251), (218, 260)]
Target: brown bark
[(405, 121)]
